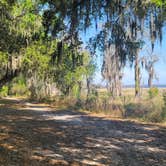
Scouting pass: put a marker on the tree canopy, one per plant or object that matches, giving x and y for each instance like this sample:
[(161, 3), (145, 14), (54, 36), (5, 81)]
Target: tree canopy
[(46, 34)]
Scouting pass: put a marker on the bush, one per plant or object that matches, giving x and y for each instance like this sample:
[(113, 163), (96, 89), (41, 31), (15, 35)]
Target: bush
[(163, 114), (4, 91), (18, 90), (91, 102), (18, 87), (135, 110), (153, 92), (155, 110), (164, 98), (155, 116)]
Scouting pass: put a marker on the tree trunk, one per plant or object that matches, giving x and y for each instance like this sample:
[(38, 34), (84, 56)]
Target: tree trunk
[(137, 76), (88, 86), (150, 78), (150, 81), (79, 90), (9, 76), (10, 72)]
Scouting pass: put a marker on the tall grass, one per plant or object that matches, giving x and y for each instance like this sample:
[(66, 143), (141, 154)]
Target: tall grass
[(150, 107)]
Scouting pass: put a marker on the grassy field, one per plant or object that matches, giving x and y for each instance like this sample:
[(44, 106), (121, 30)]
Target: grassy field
[(150, 106)]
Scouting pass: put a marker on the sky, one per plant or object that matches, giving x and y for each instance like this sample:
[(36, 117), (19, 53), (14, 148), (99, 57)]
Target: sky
[(160, 67), (128, 78)]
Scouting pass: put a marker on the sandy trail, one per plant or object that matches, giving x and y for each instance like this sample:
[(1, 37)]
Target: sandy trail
[(38, 135)]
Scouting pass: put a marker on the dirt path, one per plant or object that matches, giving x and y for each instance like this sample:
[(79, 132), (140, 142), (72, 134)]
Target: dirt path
[(38, 135)]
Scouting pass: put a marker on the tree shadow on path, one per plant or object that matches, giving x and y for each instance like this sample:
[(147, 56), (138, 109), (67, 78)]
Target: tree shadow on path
[(37, 135)]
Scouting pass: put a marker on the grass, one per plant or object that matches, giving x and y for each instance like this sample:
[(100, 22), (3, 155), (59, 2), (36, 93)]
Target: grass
[(148, 108)]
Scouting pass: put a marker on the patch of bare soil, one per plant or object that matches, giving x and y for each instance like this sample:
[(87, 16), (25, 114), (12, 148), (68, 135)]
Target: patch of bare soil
[(38, 135)]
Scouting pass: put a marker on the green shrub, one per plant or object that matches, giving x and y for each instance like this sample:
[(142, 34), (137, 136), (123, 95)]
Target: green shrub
[(153, 92), (91, 102), (155, 110), (4, 91), (18, 87), (163, 114), (164, 98), (155, 116)]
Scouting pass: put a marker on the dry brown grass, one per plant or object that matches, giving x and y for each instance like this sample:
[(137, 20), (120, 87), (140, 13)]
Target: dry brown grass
[(143, 108)]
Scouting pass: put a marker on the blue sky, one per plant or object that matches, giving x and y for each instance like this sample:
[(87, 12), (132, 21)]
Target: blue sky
[(128, 78)]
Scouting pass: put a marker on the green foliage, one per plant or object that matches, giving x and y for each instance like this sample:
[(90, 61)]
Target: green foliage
[(18, 87), (154, 110), (92, 99), (40, 66), (19, 21), (159, 2), (28, 22), (3, 62), (3, 58), (164, 98), (36, 66), (4, 91), (70, 75), (36, 60), (154, 117), (23, 24), (76, 91), (164, 107), (153, 92)]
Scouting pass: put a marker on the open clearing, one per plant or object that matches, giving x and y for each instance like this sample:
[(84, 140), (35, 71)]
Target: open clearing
[(40, 135)]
